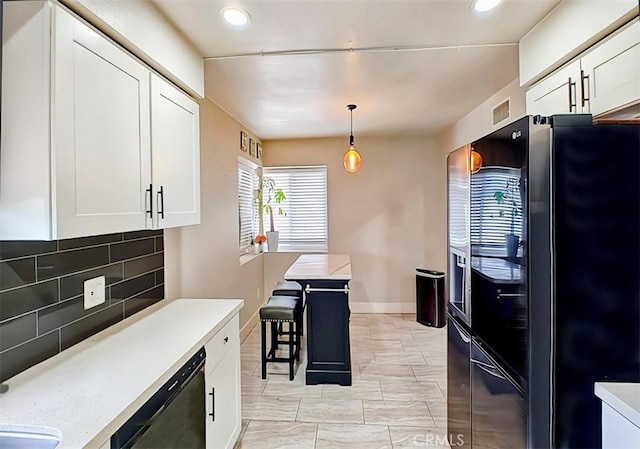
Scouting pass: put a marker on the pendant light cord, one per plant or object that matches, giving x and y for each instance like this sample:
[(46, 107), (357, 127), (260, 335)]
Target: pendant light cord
[(351, 107), (351, 139)]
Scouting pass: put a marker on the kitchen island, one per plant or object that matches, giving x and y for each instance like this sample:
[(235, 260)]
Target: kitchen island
[(325, 282)]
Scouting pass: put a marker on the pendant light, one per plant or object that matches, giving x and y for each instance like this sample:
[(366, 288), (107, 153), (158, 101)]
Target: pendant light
[(352, 159)]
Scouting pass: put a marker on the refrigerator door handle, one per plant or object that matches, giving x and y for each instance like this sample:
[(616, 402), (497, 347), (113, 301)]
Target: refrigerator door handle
[(487, 368), (460, 332)]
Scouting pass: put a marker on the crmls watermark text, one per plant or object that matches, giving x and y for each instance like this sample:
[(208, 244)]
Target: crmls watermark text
[(426, 440)]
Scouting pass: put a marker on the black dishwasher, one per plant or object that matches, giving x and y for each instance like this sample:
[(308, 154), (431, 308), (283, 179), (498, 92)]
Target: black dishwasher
[(174, 417)]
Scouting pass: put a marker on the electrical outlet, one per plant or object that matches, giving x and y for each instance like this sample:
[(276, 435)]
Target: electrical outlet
[(94, 292), (258, 296)]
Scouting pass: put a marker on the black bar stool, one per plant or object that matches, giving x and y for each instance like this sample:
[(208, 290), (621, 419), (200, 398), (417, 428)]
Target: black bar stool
[(278, 310), (293, 289)]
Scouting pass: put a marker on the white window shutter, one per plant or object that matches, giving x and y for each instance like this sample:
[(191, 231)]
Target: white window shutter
[(303, 223)]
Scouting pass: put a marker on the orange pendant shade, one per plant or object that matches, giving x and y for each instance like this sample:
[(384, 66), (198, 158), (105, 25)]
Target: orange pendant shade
[(352, 160), (476, 161)]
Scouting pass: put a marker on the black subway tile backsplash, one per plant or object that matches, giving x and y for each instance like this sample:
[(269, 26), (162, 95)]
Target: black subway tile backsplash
[(25, 356), (160, 243), (14, 273), (143, 300), (42, 284), (73, 285), (160, 277), (142, 265), (141, 234), (64, 313), (132, 287), (89, 241), (134, 248), (17, 331), (15, 249), (25, 299), (59, 264), (80, 330)]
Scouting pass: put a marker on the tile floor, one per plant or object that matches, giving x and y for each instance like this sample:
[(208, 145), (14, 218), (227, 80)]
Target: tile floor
[(397, 400)]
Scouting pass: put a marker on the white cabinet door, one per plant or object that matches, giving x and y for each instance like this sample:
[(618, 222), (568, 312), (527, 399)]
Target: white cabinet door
[(175, 149), (556, 94), (613, 71), (224, 416), (101, 134)]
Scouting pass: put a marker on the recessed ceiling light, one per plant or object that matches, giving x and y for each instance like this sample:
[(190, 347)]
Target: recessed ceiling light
[(485, 5), (235, 16)]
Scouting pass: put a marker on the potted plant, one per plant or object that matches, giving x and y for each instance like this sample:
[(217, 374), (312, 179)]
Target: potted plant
[(507, 197), (270, 197)]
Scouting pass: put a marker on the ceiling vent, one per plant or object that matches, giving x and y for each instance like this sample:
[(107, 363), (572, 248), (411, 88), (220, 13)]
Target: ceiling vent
[(501, 112)]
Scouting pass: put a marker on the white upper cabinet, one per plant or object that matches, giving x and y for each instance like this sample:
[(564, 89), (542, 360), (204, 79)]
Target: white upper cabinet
[(603, 79), (101, 149), (556, 94), (612, 71), (89, 135), (175, 143)]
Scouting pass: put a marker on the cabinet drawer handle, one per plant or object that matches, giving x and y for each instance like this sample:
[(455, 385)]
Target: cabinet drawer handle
[(161, 202), (584, 77), (226, 339), (150, 210), (213, 404)]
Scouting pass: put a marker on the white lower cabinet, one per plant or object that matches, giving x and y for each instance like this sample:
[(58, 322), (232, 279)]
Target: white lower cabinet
[(224, 418), (617, 431), (222, 387)]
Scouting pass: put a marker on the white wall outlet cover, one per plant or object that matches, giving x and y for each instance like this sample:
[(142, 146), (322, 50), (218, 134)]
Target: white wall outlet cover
[(94, 292)]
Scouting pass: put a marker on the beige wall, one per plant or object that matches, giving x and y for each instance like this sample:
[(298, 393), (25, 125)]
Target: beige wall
[(202, 261), (479, 122), (389, 217)]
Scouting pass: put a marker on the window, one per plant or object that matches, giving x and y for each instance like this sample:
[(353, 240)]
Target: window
[(491, 220), (303, 226), (247, 209)]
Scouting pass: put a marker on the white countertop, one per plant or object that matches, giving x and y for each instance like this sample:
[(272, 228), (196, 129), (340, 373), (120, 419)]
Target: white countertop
[(622, 397), (88, 391), (320, 266)]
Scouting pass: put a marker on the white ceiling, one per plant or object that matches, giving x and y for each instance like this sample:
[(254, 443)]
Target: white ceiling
[(305, 95)]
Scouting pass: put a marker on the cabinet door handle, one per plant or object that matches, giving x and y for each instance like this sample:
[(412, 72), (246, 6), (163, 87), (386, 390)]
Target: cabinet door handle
[(584, 77), (150, 210), (213, 404), (226, 339), (572, 102), (161, 202)]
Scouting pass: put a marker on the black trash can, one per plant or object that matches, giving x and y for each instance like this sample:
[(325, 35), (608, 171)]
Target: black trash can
[(431, 307)]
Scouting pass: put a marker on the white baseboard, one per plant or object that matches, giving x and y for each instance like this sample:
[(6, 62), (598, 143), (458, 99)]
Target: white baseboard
[(382, 307), (249, 325)]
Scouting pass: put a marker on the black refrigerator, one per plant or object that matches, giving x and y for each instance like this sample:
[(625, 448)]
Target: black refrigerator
[(552, 278)]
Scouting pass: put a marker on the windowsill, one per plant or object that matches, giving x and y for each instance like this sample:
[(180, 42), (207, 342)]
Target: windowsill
[(246, 258), (301, 251)]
